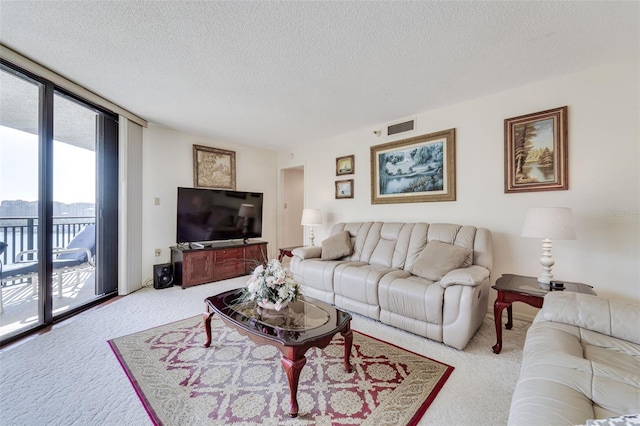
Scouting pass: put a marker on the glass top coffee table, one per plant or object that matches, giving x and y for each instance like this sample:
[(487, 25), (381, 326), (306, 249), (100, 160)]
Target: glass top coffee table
[(303, 324)]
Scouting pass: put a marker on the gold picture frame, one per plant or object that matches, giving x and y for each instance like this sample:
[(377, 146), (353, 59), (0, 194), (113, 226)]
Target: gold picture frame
[(344, 188), (535, 150), (214, 168), (415, 170), (345, 165)]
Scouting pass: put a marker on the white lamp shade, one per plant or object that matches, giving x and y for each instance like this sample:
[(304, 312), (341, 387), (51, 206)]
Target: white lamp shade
[(549, 222), (247, 210), (311, 217)]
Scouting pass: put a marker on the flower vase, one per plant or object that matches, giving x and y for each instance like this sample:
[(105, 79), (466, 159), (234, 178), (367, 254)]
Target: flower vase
[(271, 306)]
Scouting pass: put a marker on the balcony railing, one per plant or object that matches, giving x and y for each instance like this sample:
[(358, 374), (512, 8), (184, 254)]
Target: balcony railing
[(21, 233)]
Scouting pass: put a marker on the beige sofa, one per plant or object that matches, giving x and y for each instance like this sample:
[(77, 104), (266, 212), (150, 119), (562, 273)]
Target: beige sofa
[(430, 279), (581, 361)]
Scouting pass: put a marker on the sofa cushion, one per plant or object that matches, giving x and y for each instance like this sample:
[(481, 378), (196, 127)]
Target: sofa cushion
[(439, 258), (337, 246)]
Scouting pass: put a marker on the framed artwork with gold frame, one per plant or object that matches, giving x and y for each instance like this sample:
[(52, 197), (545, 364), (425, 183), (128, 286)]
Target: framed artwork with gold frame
[(214, 168), (415, 170), (345, 165), (535, 150), (344, 188)]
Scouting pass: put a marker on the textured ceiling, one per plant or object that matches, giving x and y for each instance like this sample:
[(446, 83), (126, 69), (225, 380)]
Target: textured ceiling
[(278, 74)]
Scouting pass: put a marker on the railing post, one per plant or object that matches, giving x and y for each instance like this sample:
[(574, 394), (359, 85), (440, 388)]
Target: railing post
[(30, 236), (5, 234)]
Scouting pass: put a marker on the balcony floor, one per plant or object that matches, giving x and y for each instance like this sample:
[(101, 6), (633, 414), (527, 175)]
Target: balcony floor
[(21, 305)]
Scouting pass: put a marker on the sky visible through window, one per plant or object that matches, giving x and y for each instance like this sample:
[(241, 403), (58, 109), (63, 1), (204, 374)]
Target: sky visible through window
[(74, 169)]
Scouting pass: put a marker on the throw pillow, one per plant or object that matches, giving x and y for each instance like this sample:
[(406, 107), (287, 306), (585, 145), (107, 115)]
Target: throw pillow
[(307, 252), (628, 419), (337, 246), (438, 258)]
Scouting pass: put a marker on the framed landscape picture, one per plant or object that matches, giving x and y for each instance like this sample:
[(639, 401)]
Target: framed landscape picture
[(535, 150), (414, 170), (344, 188), (214, 168), (345, 165)]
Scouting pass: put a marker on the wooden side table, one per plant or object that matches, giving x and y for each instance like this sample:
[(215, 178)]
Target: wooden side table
[(517, 288)]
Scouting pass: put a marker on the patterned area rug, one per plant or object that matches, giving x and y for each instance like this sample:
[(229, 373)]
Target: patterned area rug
[(237, 382)]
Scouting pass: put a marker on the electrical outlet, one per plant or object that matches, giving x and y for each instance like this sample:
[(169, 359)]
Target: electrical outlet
[(158, 251)]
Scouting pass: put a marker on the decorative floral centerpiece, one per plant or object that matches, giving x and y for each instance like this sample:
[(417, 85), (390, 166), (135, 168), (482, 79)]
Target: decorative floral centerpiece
[(272, 286)]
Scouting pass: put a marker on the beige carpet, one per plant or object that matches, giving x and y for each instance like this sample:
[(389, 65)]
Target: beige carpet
[(69, 376), (238, 382)]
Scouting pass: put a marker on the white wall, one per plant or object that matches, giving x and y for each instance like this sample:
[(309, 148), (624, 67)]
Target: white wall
[(168, 164), (604, 182)]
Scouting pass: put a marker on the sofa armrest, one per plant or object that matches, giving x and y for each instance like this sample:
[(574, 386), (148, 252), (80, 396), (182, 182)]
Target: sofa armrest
[(307, 252), (614, 318), (472, 276)]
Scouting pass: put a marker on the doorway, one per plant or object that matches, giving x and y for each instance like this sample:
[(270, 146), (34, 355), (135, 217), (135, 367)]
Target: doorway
[(292, 234)]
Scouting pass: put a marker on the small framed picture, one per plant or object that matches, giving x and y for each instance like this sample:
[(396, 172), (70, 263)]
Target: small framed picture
[(344, 188), (345, 165), (535, 150)]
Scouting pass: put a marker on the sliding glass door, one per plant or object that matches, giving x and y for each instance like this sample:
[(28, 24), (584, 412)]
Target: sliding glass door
[(19, 202), (58, 198), (74, 202)]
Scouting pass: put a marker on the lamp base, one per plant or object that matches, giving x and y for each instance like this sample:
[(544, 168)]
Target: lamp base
[(311, 235), (543, 284), (546, 262)]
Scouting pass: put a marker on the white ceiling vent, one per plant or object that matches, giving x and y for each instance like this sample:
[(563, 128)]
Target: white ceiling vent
[(405, 126)]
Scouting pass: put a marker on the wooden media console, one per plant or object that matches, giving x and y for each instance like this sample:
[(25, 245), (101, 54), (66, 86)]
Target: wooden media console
[(215, 262)]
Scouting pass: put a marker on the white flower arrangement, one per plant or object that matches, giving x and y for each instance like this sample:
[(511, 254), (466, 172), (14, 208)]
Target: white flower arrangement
[(272, 285)]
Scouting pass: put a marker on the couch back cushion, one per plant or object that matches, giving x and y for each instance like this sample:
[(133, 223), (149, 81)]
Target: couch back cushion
[(617, 318), (398, 244), (387, 244)]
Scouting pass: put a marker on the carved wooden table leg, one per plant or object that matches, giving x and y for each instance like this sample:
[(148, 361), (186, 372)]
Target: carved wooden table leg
[(348, 342), (206, 317), (509, 324), (293, 368), (498, 307)]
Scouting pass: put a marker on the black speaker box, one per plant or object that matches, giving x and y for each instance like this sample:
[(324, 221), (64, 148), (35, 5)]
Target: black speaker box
[(162, 275)]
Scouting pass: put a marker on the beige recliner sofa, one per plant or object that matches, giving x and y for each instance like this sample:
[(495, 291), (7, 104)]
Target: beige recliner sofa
[(430, 279), (581, 362)]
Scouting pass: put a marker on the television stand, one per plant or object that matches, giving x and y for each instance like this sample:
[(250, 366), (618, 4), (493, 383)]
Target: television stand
[(216, 262)]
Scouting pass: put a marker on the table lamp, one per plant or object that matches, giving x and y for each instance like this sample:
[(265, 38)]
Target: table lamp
[(548, 223), (246, 212), (311, 218)]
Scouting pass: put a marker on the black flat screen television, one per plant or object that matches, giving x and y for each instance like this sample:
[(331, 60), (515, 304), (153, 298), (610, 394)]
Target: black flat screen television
[(205, 215)]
